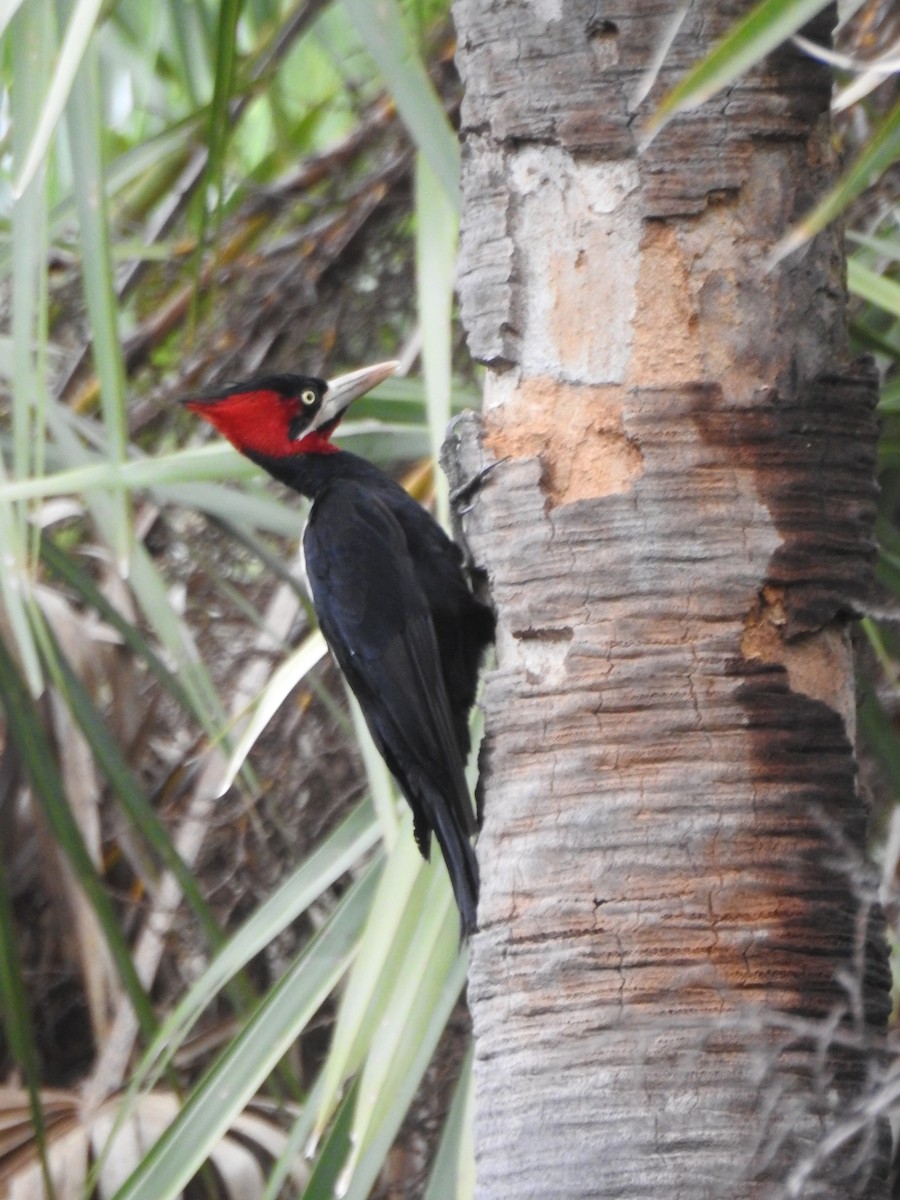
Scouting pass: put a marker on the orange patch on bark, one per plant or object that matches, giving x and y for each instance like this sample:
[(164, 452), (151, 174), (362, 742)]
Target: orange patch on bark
[(578, 432), (818, 665), (666, 344)]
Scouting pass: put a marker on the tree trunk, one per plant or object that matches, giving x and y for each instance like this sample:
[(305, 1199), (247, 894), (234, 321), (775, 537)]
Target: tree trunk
[(680, 982)]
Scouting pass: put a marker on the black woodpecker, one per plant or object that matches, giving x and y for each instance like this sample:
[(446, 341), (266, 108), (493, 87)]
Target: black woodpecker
[(390, 593)]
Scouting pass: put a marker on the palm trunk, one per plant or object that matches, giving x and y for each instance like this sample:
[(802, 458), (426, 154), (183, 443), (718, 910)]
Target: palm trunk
[(680, 981)]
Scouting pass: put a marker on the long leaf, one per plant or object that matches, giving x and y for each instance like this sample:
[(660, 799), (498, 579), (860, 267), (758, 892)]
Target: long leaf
[(84, 123), (453, 1172), (285, 1165), (764, 27), (882, 149), (7, 12), (231, 1082), (32, 52), (31, 57), (219, 129), (432, 951), (433, 1003), (387, 39), (322, 1184), (383, 946), (280, 685), (875, 288), (82, 17), (339, 853), (216, 461), (436, 235)]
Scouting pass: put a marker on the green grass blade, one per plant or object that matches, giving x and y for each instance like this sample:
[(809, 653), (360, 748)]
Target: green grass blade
[(279, 686), (453, 1172), (192, 49), (380, 1114), (219, 128), (339, 853), (84, 124), (890, 394), (881, 151), (431, 957), (234, 1078), (244, 510), (876, 289), (167, 473), (764, 28), (82, 17), (437, 226), (32, 53), (386, 37), (31, 56), (882, 244), (294, 1148), (330, 1159), (7, 12), (15, 584), (383, 946)]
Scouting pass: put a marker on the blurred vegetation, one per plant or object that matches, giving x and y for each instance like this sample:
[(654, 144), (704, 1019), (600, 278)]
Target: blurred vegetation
[(210, 904)]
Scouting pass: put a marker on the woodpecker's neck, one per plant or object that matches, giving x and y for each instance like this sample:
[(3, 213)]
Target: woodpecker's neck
[(309, 473)]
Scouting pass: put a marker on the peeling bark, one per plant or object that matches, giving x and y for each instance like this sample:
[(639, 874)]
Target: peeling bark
[(680, 982)]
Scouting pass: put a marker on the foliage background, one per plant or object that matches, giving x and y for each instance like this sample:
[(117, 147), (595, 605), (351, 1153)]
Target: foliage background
[(209, 898)]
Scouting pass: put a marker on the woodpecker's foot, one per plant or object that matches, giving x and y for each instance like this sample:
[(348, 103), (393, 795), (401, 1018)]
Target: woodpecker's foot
[(467, 490)]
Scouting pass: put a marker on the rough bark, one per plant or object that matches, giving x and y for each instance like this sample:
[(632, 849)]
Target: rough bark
[(679, 982)]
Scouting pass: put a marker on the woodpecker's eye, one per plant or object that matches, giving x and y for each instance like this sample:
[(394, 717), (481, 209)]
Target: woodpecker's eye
[(308, 396)]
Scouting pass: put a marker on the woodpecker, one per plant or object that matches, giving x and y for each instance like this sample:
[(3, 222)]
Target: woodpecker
[(390, 594)]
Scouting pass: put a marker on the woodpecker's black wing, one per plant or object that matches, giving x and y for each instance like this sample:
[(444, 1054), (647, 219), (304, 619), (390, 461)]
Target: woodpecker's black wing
[(376, 619), (464, 627)]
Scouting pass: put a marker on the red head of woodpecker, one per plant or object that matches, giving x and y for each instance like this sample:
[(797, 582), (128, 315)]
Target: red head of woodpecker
[(281, 416)]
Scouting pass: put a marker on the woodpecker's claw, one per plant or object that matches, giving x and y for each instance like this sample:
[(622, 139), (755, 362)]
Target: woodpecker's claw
[(467, 490)]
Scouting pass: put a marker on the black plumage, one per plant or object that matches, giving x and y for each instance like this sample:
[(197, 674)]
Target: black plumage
[(391, 595)]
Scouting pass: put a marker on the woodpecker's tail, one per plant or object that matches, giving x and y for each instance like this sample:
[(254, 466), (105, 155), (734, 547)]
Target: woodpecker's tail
[(452, 824), (462, 867)]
